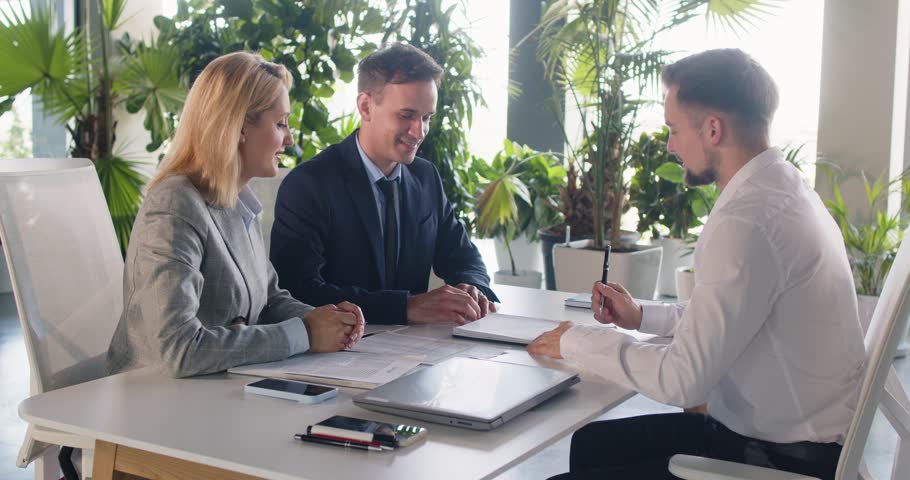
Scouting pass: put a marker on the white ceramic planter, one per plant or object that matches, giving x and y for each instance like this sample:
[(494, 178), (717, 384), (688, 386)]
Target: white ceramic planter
[(676, 253), (529, 279), (685, 282), (528, 255), (865, 304), (577, 268)]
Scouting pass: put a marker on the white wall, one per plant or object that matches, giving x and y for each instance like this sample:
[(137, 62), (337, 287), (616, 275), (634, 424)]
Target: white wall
[(857, 93), (132, 137)]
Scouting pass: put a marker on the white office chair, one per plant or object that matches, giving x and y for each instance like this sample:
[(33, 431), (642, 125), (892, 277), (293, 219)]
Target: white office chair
[(266, 190), (880, 389), (67, 274)]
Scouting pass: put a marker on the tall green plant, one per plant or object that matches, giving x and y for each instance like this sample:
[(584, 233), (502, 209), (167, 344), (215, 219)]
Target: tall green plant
[(80, 81), (319, 41), (601, 53), (517, 193), (659, 192), (428, 25)]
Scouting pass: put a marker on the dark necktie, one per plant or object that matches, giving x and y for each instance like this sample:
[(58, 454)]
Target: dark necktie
[(390, 230)]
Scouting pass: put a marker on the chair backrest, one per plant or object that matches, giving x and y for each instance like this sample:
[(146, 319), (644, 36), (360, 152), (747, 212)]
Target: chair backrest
[(889, 322), (65, 266), (266, 190)]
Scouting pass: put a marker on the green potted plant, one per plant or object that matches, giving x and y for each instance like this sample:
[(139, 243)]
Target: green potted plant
[(431, 26), (871, 246), (79, 79), (516, 196), (601, 53), (667, 207)]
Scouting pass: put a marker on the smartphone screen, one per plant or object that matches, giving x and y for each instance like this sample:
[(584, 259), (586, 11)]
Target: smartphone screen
[(298, 388)]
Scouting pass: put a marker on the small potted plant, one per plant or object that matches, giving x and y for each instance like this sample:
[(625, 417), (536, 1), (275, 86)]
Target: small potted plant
[(871, 246), (667, 207), (516, 197)]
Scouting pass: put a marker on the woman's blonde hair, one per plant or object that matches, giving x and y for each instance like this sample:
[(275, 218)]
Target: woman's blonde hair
[(233, 88)]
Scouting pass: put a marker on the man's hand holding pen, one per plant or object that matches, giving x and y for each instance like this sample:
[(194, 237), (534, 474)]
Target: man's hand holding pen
[(612, 303)]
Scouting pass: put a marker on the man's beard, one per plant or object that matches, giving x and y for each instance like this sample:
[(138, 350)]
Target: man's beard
[(706, 176)]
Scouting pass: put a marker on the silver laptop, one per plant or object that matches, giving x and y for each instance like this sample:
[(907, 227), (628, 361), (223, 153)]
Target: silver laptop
[(468, 393)]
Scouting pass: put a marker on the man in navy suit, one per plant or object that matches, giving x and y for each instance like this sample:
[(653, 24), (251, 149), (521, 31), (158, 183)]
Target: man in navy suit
[(366, 219)]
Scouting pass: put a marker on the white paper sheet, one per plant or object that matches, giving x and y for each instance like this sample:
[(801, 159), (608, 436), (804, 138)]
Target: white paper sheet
[(431, 349), (354, 369)]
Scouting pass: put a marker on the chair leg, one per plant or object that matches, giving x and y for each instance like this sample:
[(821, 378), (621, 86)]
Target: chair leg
[(46, 466), (65, 457), (88, 459), (901, 468)]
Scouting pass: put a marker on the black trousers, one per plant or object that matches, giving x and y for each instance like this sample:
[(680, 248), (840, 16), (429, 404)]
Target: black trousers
[(641, 447)]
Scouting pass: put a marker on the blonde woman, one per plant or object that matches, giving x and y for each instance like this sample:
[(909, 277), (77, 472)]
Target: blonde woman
[(200, 296)]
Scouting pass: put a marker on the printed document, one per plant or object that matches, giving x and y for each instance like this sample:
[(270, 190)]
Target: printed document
[(346, 369)]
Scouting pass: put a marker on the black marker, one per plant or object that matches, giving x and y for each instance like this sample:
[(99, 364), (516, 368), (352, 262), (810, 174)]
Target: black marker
[(603, 277), (337, 443)]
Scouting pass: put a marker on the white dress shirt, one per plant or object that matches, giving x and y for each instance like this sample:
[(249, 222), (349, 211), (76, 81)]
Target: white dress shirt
[(771, 337)]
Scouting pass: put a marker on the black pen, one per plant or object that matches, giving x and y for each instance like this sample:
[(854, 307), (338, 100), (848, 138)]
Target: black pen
[(603, 277), (337, 443)]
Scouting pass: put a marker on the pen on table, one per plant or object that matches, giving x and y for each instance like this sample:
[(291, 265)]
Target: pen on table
[(337, 443), (603, 277)]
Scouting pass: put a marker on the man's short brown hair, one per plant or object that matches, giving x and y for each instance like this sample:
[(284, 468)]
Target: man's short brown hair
[(731, 82), (396, 63)]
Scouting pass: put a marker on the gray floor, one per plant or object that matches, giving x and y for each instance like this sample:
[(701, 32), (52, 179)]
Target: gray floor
[(550, 461)]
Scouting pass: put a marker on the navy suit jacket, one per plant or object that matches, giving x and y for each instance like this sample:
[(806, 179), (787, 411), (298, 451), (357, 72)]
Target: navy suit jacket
[(327, 244)]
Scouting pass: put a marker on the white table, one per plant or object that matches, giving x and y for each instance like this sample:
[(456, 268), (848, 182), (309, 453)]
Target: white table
[(144, 420)]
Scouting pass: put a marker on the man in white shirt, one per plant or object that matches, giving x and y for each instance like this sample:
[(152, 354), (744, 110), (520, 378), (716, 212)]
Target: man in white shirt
[(770, 338)]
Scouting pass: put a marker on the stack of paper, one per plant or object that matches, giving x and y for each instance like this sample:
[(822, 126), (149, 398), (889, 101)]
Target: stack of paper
[(344, 369)]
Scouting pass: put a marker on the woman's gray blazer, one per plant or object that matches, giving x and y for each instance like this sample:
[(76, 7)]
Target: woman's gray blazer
[(199, 294)]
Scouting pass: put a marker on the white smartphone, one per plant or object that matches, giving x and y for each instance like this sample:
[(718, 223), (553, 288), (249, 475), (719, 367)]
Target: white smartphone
[(291, 390)]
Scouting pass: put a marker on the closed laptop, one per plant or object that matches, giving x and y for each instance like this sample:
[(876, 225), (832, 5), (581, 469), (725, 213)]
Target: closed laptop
[(468, 393)]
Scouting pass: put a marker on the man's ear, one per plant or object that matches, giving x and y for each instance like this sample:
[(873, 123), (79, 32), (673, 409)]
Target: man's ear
[(715, 128), (364, 106)]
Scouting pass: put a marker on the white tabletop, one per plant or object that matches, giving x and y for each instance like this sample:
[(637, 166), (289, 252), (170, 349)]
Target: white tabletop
[(211, 420)]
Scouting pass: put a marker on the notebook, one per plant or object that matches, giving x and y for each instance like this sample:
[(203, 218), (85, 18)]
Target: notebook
[(506, 328), (582, 300), (468, 393)]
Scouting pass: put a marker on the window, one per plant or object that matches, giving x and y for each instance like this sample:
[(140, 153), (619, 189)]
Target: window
[(16, 124)]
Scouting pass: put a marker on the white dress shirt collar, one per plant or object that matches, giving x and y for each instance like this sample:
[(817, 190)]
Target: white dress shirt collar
[(373, 172), (760, 161), (248, 205)]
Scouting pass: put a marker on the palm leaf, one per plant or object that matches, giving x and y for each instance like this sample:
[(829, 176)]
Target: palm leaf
[(111, 11), (45, 59), (150, 79), (122, 184), (739, 15)]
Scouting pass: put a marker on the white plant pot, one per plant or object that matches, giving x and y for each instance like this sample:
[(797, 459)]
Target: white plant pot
[(527, 254), (685, 283), (578, 266), (676, 253), (529, 279), (6, 285), (865, 305)]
